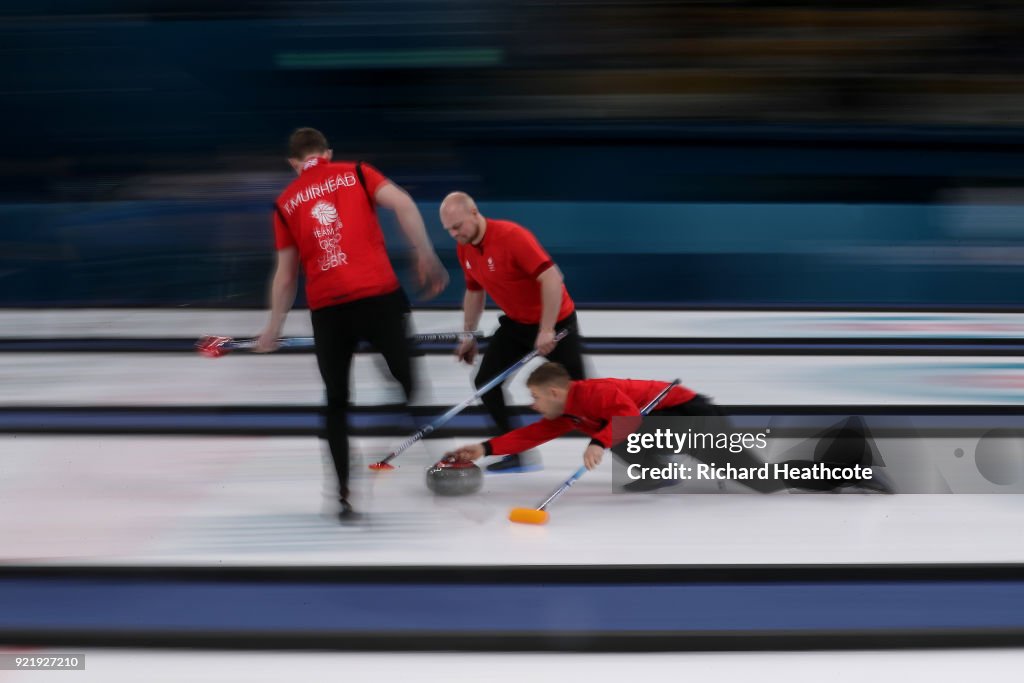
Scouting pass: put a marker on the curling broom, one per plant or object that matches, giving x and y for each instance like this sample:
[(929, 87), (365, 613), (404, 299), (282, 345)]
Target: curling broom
[(539, 514), (215, 347), (385, 464)]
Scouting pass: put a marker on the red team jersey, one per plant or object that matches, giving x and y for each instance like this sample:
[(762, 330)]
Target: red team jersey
[(326, 213), (589, 408), (506, 264)]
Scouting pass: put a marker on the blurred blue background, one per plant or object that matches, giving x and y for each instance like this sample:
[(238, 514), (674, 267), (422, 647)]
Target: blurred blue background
[(679, 154)]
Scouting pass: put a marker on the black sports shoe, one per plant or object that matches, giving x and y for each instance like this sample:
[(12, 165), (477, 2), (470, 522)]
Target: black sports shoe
[(345, 511), (515, 463), (647, 485)]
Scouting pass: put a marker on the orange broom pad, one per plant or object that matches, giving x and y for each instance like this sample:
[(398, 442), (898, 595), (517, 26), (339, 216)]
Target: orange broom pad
[(528, 516)]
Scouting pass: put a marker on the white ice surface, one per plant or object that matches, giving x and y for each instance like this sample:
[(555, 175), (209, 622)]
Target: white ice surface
[(184, 322), (105, 379), (244, 501), (260, 500)]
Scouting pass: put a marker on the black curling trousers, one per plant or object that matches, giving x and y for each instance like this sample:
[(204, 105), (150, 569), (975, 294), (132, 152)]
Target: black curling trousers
[(701, 406), (382, 321), (510, 342)]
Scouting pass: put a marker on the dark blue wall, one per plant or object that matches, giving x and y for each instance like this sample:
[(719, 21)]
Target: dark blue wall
[(218, 253)]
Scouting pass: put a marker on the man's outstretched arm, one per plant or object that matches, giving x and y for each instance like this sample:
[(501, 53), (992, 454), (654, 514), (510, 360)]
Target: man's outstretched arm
[(282, 297)]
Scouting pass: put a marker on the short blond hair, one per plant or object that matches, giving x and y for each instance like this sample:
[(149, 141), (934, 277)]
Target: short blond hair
[(549, 374)]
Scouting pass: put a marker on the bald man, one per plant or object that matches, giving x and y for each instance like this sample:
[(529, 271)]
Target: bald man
[(504, 260)]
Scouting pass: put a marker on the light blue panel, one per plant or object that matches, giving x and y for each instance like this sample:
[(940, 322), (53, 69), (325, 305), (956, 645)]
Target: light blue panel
[(616, 227)]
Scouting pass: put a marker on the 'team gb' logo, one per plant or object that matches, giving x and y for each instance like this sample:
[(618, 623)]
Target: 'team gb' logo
[(328, 235)]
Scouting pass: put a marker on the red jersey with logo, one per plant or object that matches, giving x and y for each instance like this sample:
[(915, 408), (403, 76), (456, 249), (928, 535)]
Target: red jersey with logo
[(506, 265), (589, 408), (326, 214)]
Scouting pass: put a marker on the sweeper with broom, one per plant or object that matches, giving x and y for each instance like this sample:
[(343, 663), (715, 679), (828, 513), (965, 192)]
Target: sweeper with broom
[(588, 406)]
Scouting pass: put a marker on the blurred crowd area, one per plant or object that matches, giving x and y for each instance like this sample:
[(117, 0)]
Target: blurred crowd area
[(124, 119), (94, 88)]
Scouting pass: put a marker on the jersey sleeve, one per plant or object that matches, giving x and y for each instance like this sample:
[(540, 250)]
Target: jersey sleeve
[(528, 254), (374, 178), (527, 437), (613, 402), (283, 237)]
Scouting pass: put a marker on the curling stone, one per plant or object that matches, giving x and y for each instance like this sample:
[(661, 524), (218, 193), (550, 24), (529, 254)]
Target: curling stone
[(454, 478)]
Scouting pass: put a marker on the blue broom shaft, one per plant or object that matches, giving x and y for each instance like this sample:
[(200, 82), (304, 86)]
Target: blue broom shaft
[(452, 412), (581, 471), (563, 488)]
